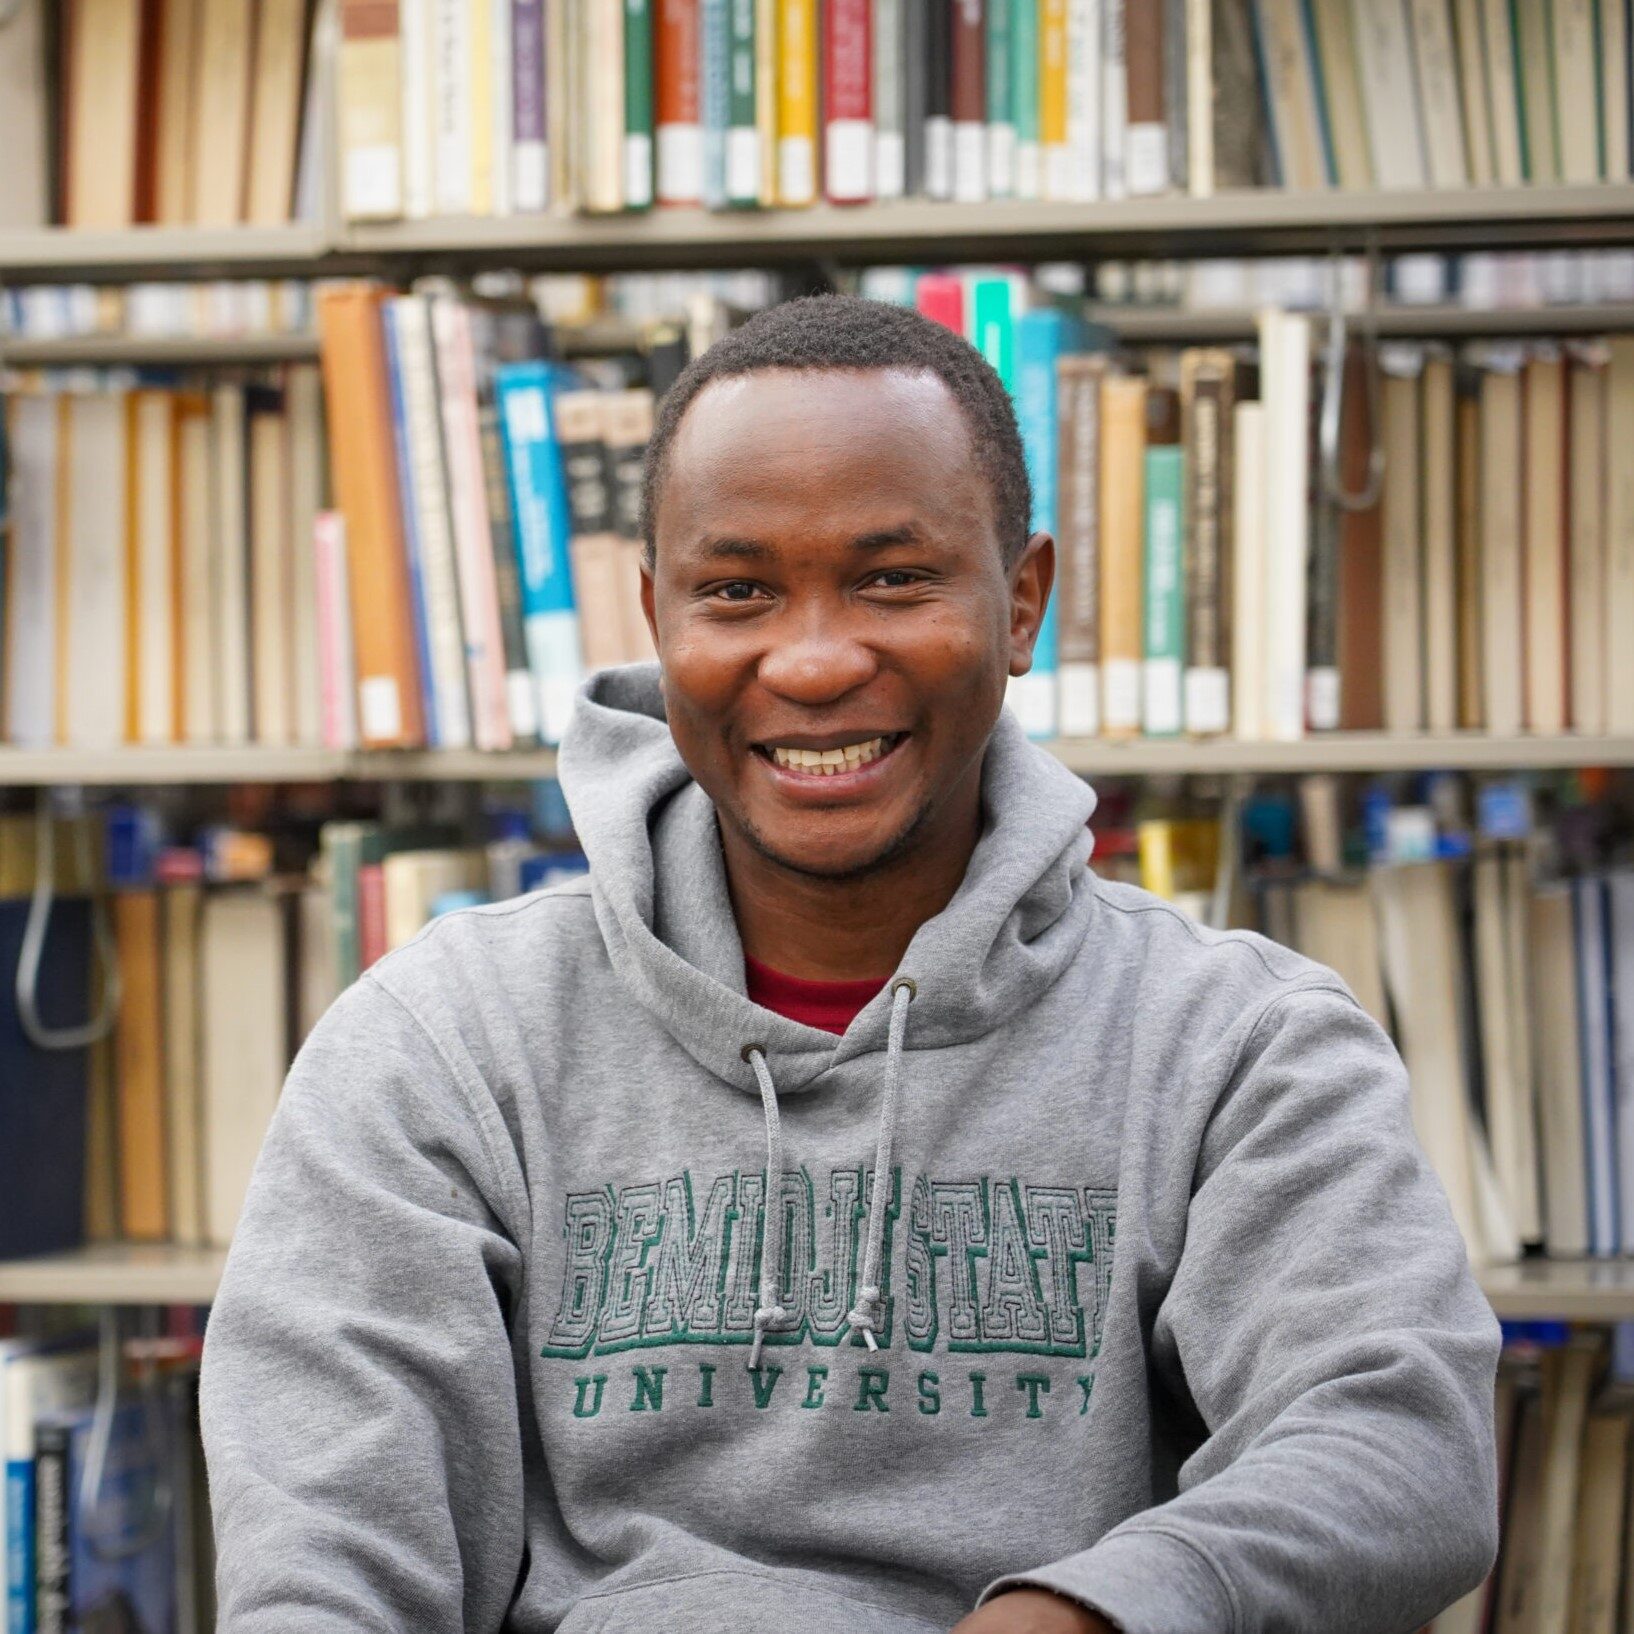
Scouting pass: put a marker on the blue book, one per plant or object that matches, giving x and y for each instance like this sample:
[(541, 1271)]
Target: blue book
[(110, 1564), (1595, 1071), (411, 528), (543, 532), (43, 1092), (1041, 337), (715, 95)]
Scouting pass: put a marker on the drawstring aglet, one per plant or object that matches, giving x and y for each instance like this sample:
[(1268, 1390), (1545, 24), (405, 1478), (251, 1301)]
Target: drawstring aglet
[(769, 1315)]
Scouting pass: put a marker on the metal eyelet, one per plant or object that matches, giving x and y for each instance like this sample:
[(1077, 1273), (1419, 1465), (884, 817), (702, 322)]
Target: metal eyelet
[(907, 982), (751, 1049)]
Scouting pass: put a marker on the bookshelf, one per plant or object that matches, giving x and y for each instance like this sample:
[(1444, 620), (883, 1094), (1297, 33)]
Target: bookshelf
[(1261, 221), (164, 1274), (1152, 757), (176, 351)]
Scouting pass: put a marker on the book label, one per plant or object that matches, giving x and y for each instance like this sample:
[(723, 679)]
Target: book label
[(1122, 677), (1080, 700), (379, 708), (1208, 701)]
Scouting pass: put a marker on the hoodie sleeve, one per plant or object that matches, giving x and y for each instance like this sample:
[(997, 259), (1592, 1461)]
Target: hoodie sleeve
[(1325, 1325), (359, 1403)]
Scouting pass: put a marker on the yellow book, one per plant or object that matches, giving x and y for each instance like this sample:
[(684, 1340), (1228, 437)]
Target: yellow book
[(797, 103), (1052, 99), (482, 107), (765, 102)]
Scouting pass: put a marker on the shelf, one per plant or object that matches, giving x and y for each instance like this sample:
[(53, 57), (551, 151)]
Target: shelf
[(161, 1274), (1265, 221), (1561, 1290), (1177, 757), (115, 1274), (179, 351), (1182, 325)]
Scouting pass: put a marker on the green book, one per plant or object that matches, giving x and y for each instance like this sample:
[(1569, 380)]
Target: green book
[(742, 130), (1024, 97), (1001, 124), (992, 323), (1163, 621), (638, 113)]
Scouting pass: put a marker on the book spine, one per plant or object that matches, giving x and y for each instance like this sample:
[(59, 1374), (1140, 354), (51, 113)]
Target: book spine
[(480, 120), (1200, 98), (1123, 470), (1206, 416), (742, 114), (1079, 558), (1322, 679), (1248, 437), (336, 672), (1163, 646), (371, 914), (1175, 93), (714, 94), (427, 521), (419, 125), (1084, 92), (969, 102), (502, 107), (993, 324), (530, 158), (939, 99), (451, 75), (797, 102), (1146, 140), (371, 93), (766, 35), (542, 532), (53, 1507), (1001, 119), (413, 530), (1052, 100), (848, 126), (1040, 340), (890, 132), (1402, 514), (1619, 433), (473, 548), (1115, 98), (1287, 398), (519, 695), (1024, 64), (680, 160), (915, 86)]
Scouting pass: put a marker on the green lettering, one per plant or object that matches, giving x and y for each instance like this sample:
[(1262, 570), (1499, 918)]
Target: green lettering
[(1032, 1383), (978, 1407), (765, 1380), (871, 1383), (581, 1385), (649, 1390), (930, 1395), (814, 1386), (1086, 1384), (706, 1384)]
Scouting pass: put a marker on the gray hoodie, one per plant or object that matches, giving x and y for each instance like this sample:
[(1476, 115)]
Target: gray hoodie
[(1156, 1302)]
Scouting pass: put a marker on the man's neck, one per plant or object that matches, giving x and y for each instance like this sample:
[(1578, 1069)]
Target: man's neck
[(852, 929)]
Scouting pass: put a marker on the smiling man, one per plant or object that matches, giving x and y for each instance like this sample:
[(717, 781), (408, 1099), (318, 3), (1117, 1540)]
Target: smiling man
[(1103, 1284)]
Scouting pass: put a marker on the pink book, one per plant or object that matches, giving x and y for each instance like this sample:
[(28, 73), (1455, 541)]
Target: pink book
[(473, 542), (337, 675), (848, 113), (371, 913), (940, 296)]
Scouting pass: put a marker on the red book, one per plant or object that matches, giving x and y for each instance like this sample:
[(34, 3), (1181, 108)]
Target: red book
[(848, 109), (680, 141), (940, 296), (969, 102), (371, 913)]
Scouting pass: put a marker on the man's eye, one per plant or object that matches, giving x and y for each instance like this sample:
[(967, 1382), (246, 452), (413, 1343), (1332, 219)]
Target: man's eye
[(895, 578), (737, 590)]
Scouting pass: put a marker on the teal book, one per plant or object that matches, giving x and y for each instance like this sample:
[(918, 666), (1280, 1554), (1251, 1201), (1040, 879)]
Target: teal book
[(1163, 612), (638, 110), (994, 299), (1024, 98), (715, 94), (1001, 122), (743, 186)]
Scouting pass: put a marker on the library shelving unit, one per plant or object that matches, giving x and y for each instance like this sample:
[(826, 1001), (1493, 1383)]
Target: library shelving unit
[(1258, 223)]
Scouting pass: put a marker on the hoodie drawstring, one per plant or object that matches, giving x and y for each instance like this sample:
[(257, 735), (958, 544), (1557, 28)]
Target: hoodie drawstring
[(866, 1313)]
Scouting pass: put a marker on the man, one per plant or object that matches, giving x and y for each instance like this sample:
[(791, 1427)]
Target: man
[(1155, 1318)]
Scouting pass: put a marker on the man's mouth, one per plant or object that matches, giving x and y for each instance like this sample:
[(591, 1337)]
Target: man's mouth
[(831, 760)]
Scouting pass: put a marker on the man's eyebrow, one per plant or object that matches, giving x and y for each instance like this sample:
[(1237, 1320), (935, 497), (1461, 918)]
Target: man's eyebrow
[(883, 538), (742, 549)]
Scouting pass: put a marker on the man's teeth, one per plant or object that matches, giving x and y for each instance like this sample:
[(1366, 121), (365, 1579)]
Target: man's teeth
[(826, 762)]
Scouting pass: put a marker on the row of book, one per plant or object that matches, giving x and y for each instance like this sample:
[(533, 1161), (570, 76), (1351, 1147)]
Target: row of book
[(1565, 1457), (213, 309), (115, 112), (225, 952), (608, 105), (130, 1548)]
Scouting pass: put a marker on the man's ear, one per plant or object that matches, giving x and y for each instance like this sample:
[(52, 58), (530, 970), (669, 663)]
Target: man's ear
[(647, 610), (1030, 580)]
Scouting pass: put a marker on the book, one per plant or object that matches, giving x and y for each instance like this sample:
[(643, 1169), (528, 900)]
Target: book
[(1586, 545), (271, 572), (1290, 93), (179, 908), (797, 102), (1334, 52), (1001, 76), (1123, 505), (1593, 969), (969, 101), (151, 701), (627, 422), (1503, 92), (1384, 57), (1285, 345), (596, 556), (1208, 395), (530, 157), (678, 145), (1024, 93), (104, 53), (1248, 601), (1438, 527), (1620, 946), (274, 116), (1470, 34), (1467, 526), (744, 185), (230, 578), (1502, 604), (91, 673), (25, 118), (221, 130), (36, 426), (1602, 1492), (1078, 556), (144, 1212), (520, 699), (1088, 81), (194, 504), (1163, 594), (1544, 543), (1535, 92), (1559, 1070), (1619, 599), (1146, 134), (1435, 63), (303, 408), (1113, 182), (847, 102), (338, 671), (1575, 29)]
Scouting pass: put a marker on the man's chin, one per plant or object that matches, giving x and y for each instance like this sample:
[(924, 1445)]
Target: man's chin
[(835, 857)]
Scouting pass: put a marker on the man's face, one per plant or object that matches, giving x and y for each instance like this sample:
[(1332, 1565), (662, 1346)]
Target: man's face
[(829, 583)]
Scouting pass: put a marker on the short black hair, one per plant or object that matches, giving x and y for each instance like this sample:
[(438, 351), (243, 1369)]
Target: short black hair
[(848, 332)]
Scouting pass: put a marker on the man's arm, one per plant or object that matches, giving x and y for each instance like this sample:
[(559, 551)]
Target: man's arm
[(358, 1398), (1324, 1321)]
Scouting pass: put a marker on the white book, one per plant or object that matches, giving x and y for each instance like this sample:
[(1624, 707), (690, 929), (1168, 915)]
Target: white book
[(1032, 698), (303, 401), (29, 625), (1402, 524), (1620, 937), (431, 519), (1594, 1021), (195, 515), (1435, 61), (1497, 30), (95, 668), (1614, 88), (1559, 1070), (451, 107), (1470, 31), (1199, 98), (890, 144), (415, 42), (1114, 100), (153, 635), (1285, 376), (501, 106), (1619, 649), (271, 578), (1248, 628), (1384, 56), (1086, 96), (230, 540), (1586, 519)]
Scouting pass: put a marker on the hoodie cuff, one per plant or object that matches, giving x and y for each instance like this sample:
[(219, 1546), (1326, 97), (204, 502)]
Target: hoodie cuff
[(1143, 1581)]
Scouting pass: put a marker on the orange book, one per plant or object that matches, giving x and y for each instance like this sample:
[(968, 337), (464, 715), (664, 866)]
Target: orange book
[(1123, 497), (363, 459), (178, 31), (144, 1212), (675, 90), (104, 63)]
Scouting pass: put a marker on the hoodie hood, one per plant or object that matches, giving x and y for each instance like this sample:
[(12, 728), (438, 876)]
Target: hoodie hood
[(658, 881)]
